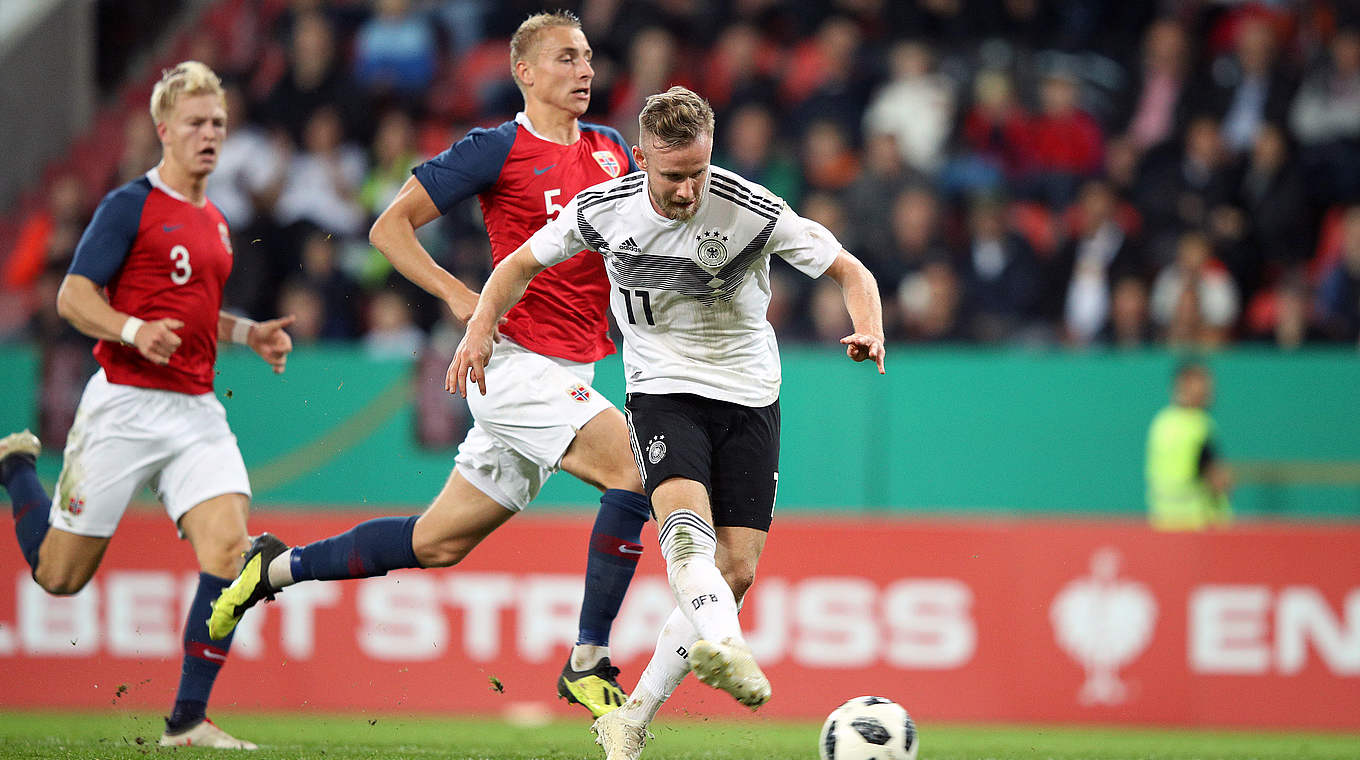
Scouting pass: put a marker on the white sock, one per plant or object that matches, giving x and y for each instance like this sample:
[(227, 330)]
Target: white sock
[(586, 656), (668, 667), (689, 545), (281, 570)]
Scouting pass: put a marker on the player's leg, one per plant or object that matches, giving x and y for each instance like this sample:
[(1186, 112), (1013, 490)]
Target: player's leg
[(28, 501), (601, 455), (216, 528)]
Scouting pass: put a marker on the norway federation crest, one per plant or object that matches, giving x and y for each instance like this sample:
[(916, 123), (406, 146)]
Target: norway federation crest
[(579, 392), (608, 162), (226, 238)]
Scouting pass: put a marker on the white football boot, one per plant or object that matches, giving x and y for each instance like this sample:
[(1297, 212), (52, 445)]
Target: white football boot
[(621, 739), (205, 733), (729, 665)]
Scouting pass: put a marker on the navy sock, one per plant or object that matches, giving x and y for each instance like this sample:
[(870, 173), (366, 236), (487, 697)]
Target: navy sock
[(203, 656), (29, 501), (368, 549), (614, 554)]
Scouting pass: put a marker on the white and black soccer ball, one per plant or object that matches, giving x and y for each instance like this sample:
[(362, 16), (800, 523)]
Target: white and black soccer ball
[(868, 728)]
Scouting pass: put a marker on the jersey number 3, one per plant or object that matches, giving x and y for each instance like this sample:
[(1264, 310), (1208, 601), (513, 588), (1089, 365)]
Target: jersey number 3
[(644, 299), (180, 256)]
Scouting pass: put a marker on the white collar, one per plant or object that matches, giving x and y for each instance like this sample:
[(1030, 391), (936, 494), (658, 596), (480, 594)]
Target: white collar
[(522, 119), (154, 177)]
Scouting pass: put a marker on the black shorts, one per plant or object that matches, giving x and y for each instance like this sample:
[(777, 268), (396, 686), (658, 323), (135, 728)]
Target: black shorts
[(732, 449)]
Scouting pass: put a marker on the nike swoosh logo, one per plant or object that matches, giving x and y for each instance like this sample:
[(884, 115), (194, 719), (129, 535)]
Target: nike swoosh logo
[(544, 169), (171, 227), (626, 549), (208, 654)]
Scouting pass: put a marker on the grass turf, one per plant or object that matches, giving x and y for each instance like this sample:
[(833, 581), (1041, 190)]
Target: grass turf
[(120, 734)]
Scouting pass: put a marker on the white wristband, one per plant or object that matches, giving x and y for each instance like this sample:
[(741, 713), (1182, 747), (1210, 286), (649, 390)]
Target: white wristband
[(240, 332), (130, 328)]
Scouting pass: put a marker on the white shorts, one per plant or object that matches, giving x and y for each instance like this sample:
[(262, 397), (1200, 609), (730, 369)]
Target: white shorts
[(522, 427), (124, 437)]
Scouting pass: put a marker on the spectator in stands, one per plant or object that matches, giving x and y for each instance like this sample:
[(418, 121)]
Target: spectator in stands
[(1066, 142), (1159, 92), (47, 237), (1339, 294), (390, 161), (739, 71), (1178, 186), (315, 78), (1283, 314), (823, 81), (1089, 265), (341, 298), (1194, 300), (1325, 117), (323, 179), (928, 303), (392, 332), (829, 162), (917, 239), (752, 150), (395, 51), (1002, 281), (141, 150), (654, 65), (995, 137), (1248, 88), (301, 299), (916, 107), (869, 199), (1129, 326), (1260, 226)]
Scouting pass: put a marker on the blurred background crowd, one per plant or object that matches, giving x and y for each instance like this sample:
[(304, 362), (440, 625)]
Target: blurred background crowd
[(1038, 172)]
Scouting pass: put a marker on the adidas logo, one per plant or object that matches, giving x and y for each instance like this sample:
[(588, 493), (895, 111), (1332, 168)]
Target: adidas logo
[(630, 246)]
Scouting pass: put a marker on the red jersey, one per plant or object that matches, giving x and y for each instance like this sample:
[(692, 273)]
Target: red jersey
[(159, 256), (523, 181)]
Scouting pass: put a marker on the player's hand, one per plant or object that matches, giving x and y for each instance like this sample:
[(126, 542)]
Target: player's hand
[(469, 361), (861, 346), (269, 340), (156, 340)]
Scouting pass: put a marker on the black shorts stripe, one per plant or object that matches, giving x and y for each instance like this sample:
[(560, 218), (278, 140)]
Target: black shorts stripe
[(633, 441)]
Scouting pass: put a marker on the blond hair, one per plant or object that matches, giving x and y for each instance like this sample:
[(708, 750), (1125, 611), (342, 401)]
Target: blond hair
[(677, 116), (187, 78), (524, 42)]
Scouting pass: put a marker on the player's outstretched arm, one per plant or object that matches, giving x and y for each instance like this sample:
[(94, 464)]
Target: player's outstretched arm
[(394, 234), (81, 302), (860, 290), (268, 339), (503, 289)]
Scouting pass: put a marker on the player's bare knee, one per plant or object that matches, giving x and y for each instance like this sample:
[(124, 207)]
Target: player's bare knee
[(60, 581), (740, 578), (222, 555)]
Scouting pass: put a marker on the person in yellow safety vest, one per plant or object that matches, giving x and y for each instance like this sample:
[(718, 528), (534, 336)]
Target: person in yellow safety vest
[(1187, 485)]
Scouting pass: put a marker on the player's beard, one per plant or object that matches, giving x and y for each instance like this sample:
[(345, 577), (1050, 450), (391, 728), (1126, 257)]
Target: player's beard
[(675, 211)]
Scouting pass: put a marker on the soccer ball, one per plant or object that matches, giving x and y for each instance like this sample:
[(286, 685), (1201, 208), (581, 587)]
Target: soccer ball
[(868, 728)]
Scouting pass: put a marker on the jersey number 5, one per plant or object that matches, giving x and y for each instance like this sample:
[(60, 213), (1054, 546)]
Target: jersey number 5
[(644, 298), (551, 207), (180, 255)]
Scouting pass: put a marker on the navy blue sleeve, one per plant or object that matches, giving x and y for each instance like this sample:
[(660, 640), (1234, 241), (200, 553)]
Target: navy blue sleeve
[(614, 136), (108, 239), (468, 167)]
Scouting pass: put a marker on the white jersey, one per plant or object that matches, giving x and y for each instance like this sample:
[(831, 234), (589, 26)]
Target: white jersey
[(690, 296)]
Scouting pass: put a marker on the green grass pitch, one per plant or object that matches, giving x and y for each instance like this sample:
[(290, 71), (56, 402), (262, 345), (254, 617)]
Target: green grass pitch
[(122, 734)]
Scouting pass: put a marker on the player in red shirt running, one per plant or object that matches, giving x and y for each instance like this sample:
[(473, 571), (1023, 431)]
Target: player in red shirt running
[(547, 417), (147, 281)]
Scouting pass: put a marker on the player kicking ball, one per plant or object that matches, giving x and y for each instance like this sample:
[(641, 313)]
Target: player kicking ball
[(160, 251), (687, 248), (546, 416)]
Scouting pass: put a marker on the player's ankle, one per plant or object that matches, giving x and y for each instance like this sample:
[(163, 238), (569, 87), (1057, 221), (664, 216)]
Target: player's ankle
[(587, 656)]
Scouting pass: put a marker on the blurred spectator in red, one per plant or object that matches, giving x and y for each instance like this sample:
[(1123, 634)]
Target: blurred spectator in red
[(1178, 186), (928, 302), (1002, 281), (1325, 118), (1283, 315), (1339, 293), (823, 81), (1194, 300), (829, 163), (751, 149), (916, 107), (740, 69), (1088, 266), (323, 179), (653, 66), (395, 50), (870, 198), (1066, 143), (1158, 94), (1261, 226), (315, 78), (995, 138), (1248, 87), (48, 236)]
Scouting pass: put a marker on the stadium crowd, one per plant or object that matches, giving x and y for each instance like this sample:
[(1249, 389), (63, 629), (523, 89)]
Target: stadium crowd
[(1036, 172)]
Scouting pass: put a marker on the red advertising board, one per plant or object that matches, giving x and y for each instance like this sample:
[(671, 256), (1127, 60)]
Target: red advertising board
[(959, 620)]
